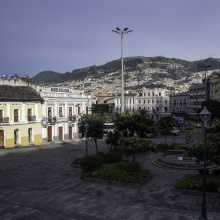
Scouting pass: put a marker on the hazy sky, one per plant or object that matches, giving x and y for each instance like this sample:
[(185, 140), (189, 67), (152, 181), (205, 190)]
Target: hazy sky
[(62, 35)]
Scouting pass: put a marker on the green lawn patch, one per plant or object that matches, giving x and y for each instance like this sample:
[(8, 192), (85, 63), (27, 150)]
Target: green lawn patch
[(195, 182)]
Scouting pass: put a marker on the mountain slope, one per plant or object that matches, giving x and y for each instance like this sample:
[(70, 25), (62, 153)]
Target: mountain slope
[(157, 67), (45, 76)]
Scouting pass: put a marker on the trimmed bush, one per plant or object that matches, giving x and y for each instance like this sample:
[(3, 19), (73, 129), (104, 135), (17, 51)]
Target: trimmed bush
[(212, 185), (201, 171), (91, 163), (216, 172), (118, 172), (111, 157), (195, 182), (79, 161), (175, 146), (163, 146)]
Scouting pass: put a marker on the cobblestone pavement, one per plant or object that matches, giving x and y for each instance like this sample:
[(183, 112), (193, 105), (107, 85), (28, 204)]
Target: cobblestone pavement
[(38, 183)]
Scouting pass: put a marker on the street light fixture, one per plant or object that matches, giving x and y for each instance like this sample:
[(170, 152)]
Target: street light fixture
[(122, 32), (86, 134), (205, 116), (205, 67)]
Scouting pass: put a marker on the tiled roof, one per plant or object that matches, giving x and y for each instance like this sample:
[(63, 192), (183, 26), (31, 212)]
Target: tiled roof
[(22, 93)]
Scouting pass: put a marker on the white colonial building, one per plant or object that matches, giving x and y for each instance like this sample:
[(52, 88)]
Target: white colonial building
[(155, 101), (130, 102), (61, 112)]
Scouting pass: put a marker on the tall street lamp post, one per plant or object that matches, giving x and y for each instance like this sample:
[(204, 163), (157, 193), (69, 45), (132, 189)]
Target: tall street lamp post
[(86, 134), (122, 32), (205, 67), (205, 116)]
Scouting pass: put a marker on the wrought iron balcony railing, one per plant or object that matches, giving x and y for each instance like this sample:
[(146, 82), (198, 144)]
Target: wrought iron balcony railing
[(4, 120), (31, 118), (52, 120)]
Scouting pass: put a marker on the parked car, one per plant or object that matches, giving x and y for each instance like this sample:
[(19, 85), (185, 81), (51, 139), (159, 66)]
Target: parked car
[(197, 125), (175, 131), (152, 134)]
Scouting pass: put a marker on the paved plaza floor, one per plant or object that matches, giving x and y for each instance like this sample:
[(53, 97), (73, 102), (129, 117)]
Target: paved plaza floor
[(38, 183)]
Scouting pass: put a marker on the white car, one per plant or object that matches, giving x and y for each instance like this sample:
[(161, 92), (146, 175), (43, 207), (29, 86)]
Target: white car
[(175, 131)]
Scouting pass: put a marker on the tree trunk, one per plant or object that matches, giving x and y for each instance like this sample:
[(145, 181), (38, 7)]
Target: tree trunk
[(133, 157), (96, 146), (165, 139)]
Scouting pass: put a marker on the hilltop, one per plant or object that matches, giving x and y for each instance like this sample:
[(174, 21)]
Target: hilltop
[(139, 71)]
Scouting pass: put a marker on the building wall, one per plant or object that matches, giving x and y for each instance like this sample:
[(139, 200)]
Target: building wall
[(22, 125), (65, 98), (215, 88), (23, 135)]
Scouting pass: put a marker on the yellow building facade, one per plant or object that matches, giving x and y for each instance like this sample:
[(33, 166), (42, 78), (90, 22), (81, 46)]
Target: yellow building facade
[(215, 88), (20, 116)]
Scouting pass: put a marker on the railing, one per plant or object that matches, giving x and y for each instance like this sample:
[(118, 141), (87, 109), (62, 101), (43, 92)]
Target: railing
[(4, 120), (51, 120), (31, 118), (71, 118)]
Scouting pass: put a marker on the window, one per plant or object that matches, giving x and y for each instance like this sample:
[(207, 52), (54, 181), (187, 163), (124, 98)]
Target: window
[(144, 101), (49, 112), (148, 94), (152, 101), (144, 94), (159, 93), (30, 137), (148, 101), (70, 111), (153, 94), (78, 109), (16, 136), (139, 101), (16, 116), (60, 111)]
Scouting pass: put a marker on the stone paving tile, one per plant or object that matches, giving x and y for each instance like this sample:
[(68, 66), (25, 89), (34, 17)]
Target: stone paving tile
[(38, 183)]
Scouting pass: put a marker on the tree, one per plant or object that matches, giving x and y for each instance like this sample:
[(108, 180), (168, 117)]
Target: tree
[(143, 125), (112, 138), (124, 122), (213, 106), (133, 145), (165, 125), (95, 129), (129, 123), (213, 146)]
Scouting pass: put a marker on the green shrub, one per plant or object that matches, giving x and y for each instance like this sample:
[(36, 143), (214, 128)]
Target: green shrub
[(175, 146), (91, 163), (201, 171), (212, 185), (163, 146), (195, 182), (118, 172), (79, 161), (216, 172), (131, 166), (111, 157), (100, 153)]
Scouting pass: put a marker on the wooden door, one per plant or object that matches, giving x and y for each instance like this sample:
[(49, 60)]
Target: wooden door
[(29, 114), (49, 133), (60, 133), (1, 137), (15, 115), (70, 132)]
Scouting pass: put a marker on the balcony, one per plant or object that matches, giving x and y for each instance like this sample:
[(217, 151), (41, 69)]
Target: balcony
[(51, 120), (4, 120), (71, 118), (31, 118)]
